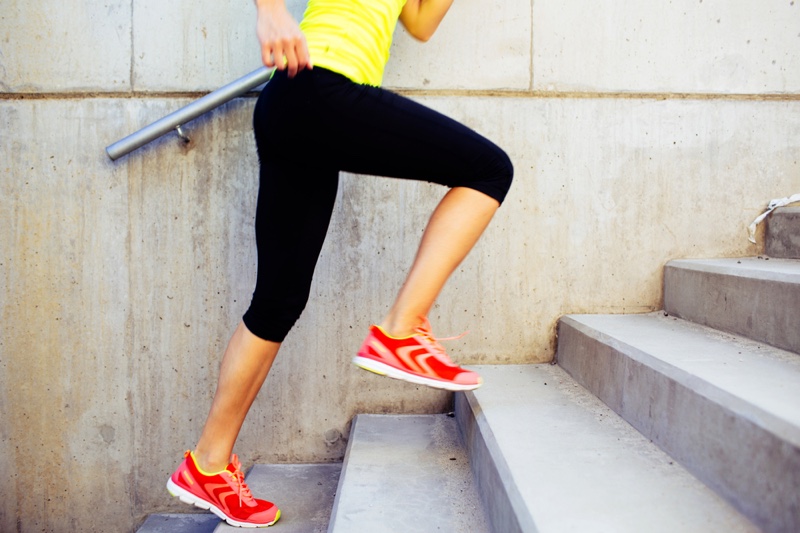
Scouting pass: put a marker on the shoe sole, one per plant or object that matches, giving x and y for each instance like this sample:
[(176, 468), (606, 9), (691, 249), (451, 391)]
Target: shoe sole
[(187, 497), (382, 369)]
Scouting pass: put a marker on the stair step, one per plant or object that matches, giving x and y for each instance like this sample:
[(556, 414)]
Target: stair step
[(754, 297), (406, 473), (304, 493), (550, 457), (726, 407), (783, 233), (179, 523)]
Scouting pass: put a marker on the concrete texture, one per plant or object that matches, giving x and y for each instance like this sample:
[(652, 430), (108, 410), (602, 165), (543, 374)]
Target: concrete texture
[(121, 282), (477, 58), (783, 233), (723, 406), (755, 297), (406, 473), (194, 47), (683, 46), (65, 46), (304, 494), (552, 458), (179, 523)]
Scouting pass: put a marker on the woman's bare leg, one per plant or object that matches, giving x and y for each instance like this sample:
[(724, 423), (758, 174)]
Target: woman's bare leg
[(244, 368), (454, 228)]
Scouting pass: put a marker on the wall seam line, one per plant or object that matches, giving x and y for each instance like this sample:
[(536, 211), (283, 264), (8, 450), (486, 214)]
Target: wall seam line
[(426, 93)]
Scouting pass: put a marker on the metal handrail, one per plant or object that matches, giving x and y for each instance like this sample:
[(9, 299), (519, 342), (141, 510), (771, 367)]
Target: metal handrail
[(175, 120)]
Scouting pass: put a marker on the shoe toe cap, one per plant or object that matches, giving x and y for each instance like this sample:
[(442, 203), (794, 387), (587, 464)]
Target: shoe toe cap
[(468, 377)]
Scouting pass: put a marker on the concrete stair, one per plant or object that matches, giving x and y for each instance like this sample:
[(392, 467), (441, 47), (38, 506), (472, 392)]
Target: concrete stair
[(306, 496), (758, 298), (685, 420), (783, 233), (406, 473), (714, 379), (549, 456), (723, 406)]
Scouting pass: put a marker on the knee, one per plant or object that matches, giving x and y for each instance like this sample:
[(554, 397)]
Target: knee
[(497, 175), (505, 170), (270, 319)]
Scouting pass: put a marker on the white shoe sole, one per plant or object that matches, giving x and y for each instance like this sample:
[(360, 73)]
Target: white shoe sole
[(383, 369), (187, 497)]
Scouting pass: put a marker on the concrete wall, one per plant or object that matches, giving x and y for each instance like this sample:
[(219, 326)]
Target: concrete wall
[(640, 132)]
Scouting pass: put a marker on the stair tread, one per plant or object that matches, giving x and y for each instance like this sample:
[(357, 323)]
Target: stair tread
[(179, 523), (771, 269), (754, 297), (569, 463), (755, 379), (406, 473), (303, 492)]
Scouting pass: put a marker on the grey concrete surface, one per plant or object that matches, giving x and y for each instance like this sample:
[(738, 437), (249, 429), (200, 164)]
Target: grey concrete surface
[(304, 494), (755, 297), (406, 473), (783, 233), (179, 523), (723, 406), (678, 46), (66, 46), (121, 282), (682, 46), (560, 460)]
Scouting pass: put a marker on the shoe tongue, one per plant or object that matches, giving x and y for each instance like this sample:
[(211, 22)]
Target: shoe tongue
[(235, 464)]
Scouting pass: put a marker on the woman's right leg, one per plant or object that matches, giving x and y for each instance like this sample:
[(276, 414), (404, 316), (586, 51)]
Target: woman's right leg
[(245, 366), (295, 201)]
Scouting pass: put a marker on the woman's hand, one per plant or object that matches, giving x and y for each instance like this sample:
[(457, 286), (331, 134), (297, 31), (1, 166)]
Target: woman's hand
[(283, 45)]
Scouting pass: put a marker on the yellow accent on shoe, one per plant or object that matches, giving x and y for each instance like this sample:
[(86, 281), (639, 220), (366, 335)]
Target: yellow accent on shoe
[(197, 465)]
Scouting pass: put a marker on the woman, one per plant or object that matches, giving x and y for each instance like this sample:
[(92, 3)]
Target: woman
[(324, 112)]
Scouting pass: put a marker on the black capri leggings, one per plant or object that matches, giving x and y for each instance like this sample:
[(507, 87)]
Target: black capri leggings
[(317, 124)]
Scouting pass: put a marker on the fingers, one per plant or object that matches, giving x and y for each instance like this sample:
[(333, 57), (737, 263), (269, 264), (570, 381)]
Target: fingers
[(283, 45), (292, 57)]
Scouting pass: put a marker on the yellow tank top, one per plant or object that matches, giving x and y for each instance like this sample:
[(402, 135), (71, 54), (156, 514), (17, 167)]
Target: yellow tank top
[(351, 37)]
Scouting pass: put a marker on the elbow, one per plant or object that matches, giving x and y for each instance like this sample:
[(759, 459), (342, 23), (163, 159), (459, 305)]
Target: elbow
[(422, 36), (420, 32)]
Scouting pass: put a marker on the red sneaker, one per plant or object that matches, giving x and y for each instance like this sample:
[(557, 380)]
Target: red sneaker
[(225, 494), (417, 359)]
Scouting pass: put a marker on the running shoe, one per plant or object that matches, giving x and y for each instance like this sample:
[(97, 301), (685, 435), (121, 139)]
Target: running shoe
[(417, 359), (225, 494)]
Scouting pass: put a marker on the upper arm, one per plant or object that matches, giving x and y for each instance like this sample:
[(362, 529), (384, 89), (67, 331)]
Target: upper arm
[(422, 17)]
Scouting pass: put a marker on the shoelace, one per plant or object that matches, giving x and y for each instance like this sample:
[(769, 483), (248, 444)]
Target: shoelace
[(424, 329), (241, 487)]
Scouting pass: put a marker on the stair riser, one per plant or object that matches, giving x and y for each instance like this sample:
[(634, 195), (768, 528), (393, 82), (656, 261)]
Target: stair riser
[(489, 472), (783, 233), (766, 311), (749, 466), (406, 473)]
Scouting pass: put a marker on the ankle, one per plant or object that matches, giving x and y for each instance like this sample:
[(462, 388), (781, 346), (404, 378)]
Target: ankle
[(209, 464), (399, 329)]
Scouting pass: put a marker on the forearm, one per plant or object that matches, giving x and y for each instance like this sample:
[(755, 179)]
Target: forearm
[(422, 17)]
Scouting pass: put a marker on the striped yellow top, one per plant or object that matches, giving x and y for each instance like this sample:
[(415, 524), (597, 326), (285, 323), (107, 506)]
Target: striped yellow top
[(351, 37)]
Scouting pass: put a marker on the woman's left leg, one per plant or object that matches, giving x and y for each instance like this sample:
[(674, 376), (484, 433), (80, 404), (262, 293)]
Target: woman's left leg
[(389, 135), (452, 231)]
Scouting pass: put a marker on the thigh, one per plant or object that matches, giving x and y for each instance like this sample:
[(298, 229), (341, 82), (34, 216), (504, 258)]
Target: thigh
[(383, 133)]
